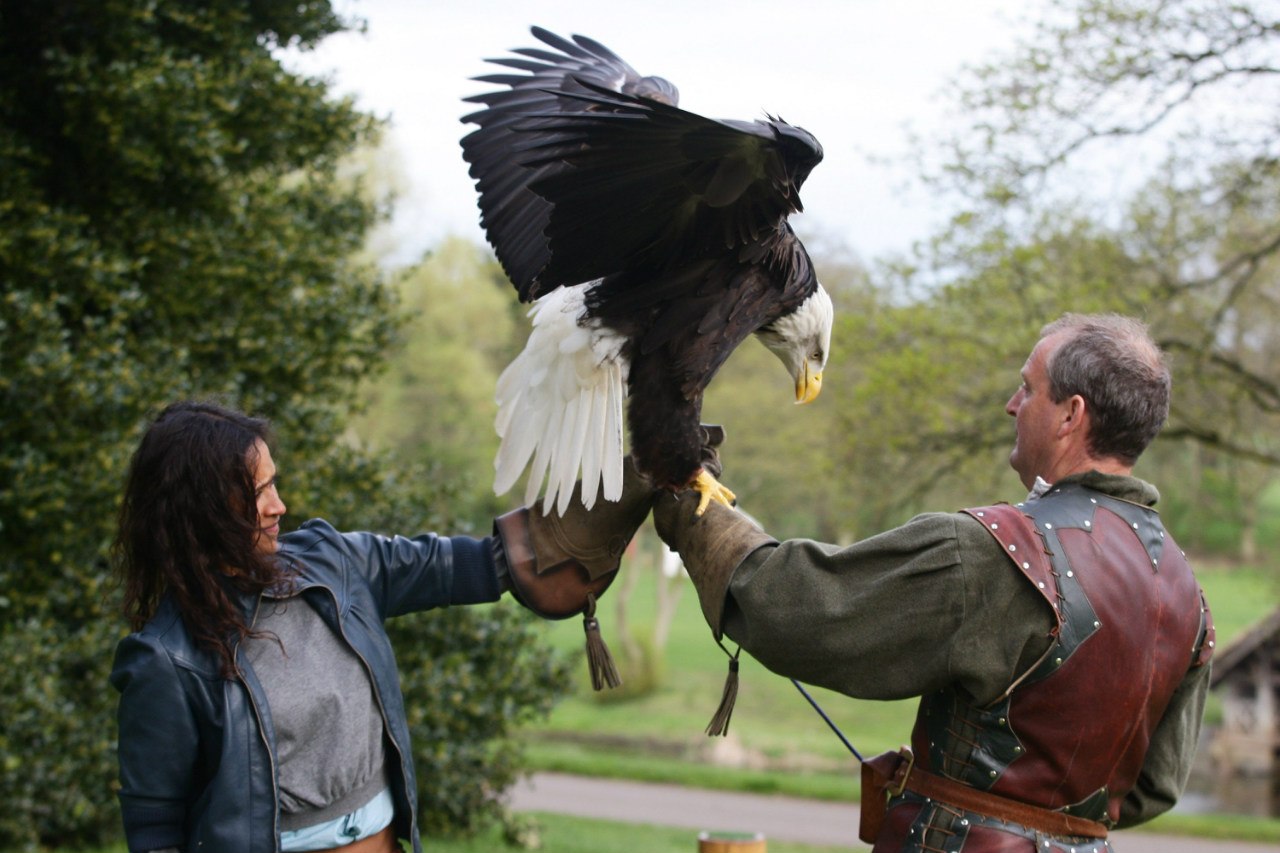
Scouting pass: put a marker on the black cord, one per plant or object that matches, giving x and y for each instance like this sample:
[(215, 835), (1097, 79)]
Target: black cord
[(824, 716)]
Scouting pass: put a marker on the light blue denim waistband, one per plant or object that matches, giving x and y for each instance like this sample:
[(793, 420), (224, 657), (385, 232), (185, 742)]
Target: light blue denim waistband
[(369, 819)]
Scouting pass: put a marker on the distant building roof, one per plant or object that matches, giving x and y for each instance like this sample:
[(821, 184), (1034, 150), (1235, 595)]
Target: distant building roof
[(1228, 658)]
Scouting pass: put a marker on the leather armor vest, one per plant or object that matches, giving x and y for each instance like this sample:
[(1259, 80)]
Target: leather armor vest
[(1072, 733)]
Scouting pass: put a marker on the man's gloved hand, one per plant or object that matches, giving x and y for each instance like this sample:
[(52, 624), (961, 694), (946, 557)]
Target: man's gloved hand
[(712, 545), (554, 561)]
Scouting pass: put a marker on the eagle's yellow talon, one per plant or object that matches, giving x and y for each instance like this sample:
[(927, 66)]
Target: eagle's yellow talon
[(710, 489)]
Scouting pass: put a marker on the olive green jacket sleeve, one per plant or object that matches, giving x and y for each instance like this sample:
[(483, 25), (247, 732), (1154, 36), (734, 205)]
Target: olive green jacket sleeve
[(900, 614), (1172, 751)]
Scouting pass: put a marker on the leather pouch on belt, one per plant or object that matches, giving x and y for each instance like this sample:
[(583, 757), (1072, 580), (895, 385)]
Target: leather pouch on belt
[(882, 778)]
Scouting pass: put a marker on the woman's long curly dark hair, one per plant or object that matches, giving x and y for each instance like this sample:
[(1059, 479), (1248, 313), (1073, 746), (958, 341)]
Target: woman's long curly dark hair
[(189, 524)]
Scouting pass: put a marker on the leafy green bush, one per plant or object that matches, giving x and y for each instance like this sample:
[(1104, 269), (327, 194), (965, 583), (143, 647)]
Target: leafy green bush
[(58, 738)]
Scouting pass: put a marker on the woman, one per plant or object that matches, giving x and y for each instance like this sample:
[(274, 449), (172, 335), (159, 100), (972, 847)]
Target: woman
[(260, 707)]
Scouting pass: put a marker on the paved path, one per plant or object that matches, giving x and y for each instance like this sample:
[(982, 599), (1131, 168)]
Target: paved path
[(782, 818)]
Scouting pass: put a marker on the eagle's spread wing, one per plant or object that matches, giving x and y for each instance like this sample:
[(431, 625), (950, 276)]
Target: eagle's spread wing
[(587, 169), (513, 217)]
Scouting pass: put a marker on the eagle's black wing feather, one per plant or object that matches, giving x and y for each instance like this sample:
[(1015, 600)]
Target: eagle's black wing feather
[(513, 217)]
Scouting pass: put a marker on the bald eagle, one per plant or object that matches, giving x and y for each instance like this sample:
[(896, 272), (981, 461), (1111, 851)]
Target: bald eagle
[(651, 241)]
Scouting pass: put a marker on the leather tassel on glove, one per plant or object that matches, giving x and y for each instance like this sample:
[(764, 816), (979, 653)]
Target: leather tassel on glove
[(603, 672), (719, 724)]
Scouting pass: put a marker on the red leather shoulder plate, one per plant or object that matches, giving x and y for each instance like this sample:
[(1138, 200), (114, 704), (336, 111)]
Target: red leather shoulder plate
[(1022, 544)]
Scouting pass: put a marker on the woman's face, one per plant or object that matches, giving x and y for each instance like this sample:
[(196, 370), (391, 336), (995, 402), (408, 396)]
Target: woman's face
[(270, 507)]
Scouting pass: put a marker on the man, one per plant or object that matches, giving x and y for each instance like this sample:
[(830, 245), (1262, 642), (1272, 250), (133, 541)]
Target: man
[(1059, 647)]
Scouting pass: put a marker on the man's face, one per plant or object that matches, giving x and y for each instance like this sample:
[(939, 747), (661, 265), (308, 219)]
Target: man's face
[(270, 507), (1038, 418)]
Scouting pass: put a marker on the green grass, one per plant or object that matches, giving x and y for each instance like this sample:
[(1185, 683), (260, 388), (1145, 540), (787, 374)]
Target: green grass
[(590, 760), (1221, 827), (1238, 596)]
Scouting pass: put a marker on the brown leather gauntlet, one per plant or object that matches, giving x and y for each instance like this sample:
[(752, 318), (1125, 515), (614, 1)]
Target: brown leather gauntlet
[(559, 565), (712, 546), (555, 561), (553, 590)]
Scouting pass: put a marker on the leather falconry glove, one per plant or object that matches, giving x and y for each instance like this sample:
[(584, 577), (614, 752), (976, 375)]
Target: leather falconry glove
[(559, 565), (712, 546)]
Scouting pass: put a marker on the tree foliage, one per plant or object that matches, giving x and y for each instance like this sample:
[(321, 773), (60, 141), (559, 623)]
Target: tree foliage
[(1191, 85), (1122, 157), (172, 224), (463, 325), (171, 227), (1173, 73)]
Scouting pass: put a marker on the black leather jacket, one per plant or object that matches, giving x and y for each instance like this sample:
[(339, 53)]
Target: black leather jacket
[(197, 751)]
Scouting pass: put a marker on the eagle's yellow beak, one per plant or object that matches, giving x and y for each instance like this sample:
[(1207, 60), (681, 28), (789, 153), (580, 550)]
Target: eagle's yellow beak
[(808, 386)]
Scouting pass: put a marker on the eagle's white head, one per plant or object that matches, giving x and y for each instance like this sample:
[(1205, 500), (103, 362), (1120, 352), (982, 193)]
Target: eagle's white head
[(802, 340)]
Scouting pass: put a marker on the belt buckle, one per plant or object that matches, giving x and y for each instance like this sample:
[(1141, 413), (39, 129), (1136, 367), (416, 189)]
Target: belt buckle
[(900, 776)]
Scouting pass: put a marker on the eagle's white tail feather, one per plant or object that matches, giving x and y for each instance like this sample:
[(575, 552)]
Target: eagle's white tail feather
[(594, 442), (517, 446), (569, 452), (550, 420), (560, 405), (611, 474), (508, 389)]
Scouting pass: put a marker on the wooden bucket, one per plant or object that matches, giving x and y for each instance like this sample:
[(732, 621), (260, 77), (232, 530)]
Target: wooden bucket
[(731, 842)]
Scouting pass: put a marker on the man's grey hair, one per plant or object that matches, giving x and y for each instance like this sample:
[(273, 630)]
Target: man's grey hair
[(1112, 362)]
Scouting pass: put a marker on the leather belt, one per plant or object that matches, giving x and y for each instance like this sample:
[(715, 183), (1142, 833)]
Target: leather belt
[(907, 776)]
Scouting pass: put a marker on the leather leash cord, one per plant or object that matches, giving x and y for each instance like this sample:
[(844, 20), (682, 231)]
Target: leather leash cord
[(844, 740)]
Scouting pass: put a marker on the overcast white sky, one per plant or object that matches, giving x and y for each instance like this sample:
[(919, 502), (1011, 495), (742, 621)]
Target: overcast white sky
[(855, 73)]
